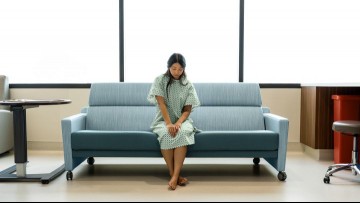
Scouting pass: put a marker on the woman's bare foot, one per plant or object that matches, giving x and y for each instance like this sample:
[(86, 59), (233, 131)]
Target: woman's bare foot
[(173, 183), (182, 181)]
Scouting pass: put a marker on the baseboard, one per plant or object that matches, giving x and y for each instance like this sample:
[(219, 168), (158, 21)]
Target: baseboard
[(319, 154), (295, 146), (46, 146)]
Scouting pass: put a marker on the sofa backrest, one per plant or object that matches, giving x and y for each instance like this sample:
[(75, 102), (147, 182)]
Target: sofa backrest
[(120, 106), (228, 106), (224, 106), (4, 90), (4, 87)]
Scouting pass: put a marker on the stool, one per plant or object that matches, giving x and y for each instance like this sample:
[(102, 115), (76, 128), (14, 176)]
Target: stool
[(351, 128)]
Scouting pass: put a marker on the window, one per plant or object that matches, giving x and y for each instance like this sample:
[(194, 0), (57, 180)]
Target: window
[(59, 41), (206, 32), (301, 41)]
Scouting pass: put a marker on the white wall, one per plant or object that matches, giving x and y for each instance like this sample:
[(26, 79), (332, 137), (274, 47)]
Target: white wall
[(44, 125), (286, 103)]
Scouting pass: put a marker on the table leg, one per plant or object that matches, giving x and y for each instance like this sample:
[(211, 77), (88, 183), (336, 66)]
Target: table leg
[(21, 170), (20, 140)]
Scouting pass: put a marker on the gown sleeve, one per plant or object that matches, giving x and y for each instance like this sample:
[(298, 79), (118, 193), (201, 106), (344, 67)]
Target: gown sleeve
[(192, 98), (157, 89)]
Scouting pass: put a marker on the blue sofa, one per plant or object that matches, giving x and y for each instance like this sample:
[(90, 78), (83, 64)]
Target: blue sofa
[(231, 120)]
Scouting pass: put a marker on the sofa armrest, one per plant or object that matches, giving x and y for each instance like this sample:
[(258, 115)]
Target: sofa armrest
[(279, 125), (265, 109), (70, 125), (84, 110)]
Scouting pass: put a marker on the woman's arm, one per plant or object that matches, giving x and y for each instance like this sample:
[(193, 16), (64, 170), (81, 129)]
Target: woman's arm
[(163, 109), (171, 127), (185, 114)]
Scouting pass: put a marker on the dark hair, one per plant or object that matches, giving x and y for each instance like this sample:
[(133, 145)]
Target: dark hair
[(175, 58)]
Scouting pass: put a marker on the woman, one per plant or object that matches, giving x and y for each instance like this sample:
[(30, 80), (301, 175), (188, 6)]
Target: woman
[(175, 97)]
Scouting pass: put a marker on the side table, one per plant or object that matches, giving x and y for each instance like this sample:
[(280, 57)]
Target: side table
[(18, 107)]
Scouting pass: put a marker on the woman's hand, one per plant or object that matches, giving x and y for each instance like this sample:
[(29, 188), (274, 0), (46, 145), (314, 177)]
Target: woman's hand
[(172, 129), (177, 126)]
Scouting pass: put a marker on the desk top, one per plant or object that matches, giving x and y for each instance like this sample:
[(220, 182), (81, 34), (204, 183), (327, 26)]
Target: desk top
[(23, 102), (330, 85)]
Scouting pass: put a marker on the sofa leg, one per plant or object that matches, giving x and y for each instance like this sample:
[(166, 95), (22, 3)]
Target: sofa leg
[(256, 161), (91, 161), (69, 175)]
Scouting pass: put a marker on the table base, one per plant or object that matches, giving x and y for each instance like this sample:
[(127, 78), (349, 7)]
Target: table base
[(8, 176)]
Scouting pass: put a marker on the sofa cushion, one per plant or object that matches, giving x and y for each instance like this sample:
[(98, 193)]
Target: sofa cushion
[(114, 140), (235, 140), (120, 118), (229, 94), (224, 106), (210, 94), (204, 141), (228, 118), (119, 94)]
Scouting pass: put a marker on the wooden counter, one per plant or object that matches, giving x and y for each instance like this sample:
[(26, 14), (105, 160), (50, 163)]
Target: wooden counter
[(317, 113)]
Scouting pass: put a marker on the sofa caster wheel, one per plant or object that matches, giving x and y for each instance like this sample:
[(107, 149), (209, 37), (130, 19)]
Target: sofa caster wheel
[(91, 161), (327, 180), (69, 175), (256, 161), (282, 176), (45, 182)]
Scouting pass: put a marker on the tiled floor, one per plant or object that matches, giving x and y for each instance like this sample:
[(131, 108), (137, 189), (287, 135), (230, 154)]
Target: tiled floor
[(138, 179)]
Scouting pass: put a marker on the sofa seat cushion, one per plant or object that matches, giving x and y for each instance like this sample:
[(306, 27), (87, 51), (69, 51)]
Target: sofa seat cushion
[(262, 140), (114, 140)]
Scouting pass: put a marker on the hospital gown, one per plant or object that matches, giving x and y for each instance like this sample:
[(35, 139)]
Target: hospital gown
[(176, 98)]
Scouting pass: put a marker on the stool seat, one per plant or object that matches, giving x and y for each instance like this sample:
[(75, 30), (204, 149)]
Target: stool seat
[(347, 127)]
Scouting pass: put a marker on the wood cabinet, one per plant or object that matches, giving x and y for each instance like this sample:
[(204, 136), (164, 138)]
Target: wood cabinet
[(317, 114)]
